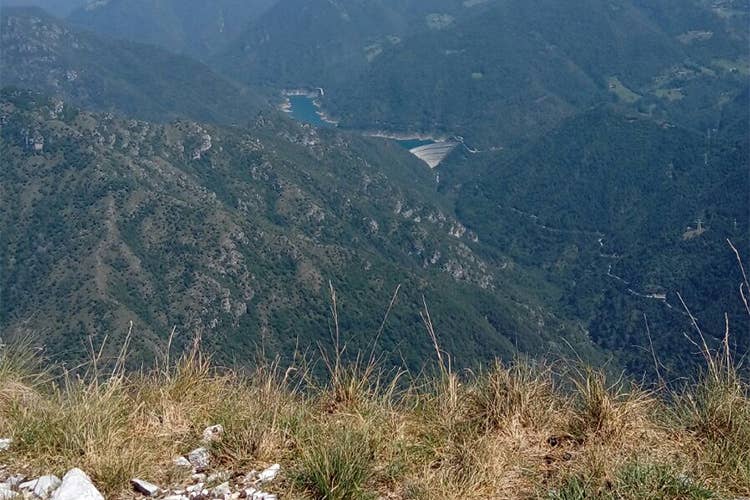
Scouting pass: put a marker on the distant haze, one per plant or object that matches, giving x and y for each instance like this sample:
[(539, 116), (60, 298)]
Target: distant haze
[(57, 7)]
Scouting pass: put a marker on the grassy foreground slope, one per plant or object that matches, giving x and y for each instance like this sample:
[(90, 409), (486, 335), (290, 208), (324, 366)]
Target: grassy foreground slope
[(524, 430)]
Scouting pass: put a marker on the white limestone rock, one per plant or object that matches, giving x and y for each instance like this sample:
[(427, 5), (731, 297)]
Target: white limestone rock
[(269, 474), (262, 495), (76, 485), (46, 486), (213, 433), (5, 444), (43, 486), (148, 489), (15, 480), (6, 493), (27, 485), (221, 490), (181, 462), (196, 488), (218, 477), (199, 458), (250, 477)]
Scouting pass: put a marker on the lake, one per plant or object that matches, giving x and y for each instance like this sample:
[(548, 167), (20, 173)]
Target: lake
[(303, 109)]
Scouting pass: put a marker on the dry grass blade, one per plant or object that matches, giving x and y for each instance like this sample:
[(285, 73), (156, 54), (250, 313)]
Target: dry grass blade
[(744, 286), (515, 430)]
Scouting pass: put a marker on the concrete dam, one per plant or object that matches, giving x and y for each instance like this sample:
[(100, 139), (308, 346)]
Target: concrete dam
[(433, 154)]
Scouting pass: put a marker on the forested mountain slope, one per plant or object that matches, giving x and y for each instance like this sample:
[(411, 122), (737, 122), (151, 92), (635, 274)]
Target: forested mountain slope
[(605, 166), (60, 8), (195, 27), (47, 54), (234, 234), (494, 72), (623, 214), (317, 42), (518, 68)]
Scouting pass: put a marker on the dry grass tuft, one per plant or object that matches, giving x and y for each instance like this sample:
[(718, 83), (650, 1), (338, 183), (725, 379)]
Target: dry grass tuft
[(517, 430), (522, 394), (715, 413), (335, 463), (609, 412), (505, 432)]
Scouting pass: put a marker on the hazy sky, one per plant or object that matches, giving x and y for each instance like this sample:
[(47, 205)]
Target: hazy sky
[(57, 7)]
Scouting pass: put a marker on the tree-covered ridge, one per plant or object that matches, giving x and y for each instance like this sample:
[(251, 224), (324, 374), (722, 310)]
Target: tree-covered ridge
[(317, 42), (60, 8), (625, 214), (46, 54), (234, 234), (194, 27), (516, 69)]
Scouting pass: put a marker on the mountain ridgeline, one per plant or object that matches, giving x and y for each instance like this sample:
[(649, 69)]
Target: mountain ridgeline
[(43, 53), (515, 69), (600, 169), (60, 8), (192, 27)]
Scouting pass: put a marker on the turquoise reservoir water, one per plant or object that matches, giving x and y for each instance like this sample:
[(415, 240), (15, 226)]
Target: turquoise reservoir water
[(304, 110)]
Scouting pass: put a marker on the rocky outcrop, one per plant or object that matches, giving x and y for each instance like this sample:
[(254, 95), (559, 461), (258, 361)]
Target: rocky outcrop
[(203, 485), (42, 487), (76, 485)]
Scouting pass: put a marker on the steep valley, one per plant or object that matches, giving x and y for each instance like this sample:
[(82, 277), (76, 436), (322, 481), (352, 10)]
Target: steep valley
[(578, 165)]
